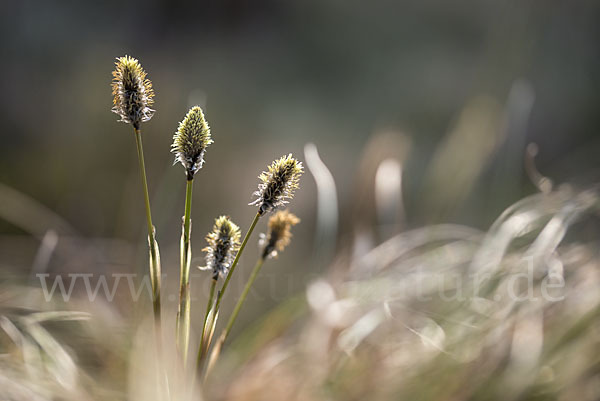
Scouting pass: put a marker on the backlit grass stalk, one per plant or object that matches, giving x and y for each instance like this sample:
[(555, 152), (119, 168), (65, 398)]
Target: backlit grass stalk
[(132, 97), (277, 185), (223, 242), (202, 352), (189, 145), (183, 315), (276, 239), (155, 269)]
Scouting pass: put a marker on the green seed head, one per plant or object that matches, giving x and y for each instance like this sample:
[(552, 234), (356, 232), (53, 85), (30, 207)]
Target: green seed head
[(223, 243), (191, 140), (278, 183), (278, 234), (132, 92)]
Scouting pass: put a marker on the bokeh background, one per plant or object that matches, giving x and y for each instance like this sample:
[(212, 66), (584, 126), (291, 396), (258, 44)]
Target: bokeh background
[(453, 91)]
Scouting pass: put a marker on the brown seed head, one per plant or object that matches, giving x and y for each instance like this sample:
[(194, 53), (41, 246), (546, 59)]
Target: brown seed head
[(279, 233)]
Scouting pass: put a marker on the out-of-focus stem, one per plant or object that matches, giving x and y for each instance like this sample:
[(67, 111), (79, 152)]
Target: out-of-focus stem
[(240, 301), (204, 342)]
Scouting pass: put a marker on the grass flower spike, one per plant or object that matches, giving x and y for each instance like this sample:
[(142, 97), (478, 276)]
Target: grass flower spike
[(223, 243), (278, 184), (278, 235), (191, 140), (132, 92)]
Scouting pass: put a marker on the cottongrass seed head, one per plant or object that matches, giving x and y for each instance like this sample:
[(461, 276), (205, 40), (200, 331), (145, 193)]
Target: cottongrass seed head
[(132, 92), (278, 234), (191, 140), (223, 243), (278, 183)]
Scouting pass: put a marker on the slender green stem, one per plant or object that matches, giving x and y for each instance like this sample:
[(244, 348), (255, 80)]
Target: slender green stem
[(235, 261), (203, 343), (155, 269), (154, 254), (240, 301), (183, 315)]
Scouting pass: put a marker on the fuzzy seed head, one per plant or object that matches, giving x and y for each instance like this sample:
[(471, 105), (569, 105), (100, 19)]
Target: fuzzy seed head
[(278, 234), (223, 243), (132, 92), (191, 140), (278, 184)]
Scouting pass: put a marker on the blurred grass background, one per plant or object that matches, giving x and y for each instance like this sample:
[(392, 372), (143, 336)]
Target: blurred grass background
[(468, 82)]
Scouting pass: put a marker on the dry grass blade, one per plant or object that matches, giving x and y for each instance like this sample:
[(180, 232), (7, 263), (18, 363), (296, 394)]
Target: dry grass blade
[(417, 319)]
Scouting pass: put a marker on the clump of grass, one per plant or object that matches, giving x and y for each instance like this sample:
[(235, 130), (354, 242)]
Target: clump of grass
[(385, 324), (133, 96), (441, 312), (433, 313)]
